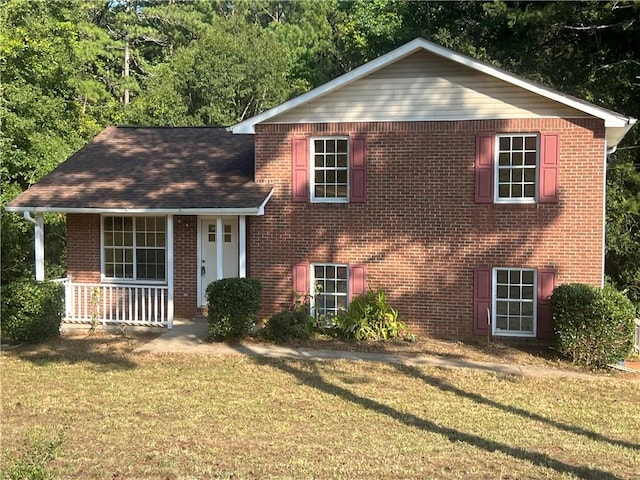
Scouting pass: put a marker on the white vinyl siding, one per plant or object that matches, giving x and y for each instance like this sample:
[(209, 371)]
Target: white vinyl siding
[(424, 86)]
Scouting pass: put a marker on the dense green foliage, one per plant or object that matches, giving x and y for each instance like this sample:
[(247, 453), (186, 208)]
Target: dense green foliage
[(370, 317), (31, 311), (592, 326), (288, 325), (65, 76), (233, 305)]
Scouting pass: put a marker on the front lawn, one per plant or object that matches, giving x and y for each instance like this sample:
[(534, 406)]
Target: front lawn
[(182, 416)]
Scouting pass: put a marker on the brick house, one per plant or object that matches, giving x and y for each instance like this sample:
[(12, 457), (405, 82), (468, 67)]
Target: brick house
[(463, 191)]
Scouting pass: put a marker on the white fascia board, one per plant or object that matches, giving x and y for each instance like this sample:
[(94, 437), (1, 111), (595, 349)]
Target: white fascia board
[(253, 211), (611, 119)]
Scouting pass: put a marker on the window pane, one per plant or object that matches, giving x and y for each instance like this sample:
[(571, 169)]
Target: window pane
[(319, 161), (527, 309), (529, 191), (501, 323), (527, 277), (331, 176), (504, 160), (342, 146), (342, 160), (527, 292), (318, 146), (502, 308), (128, 224), (502, 276), (319, 176), (331, 146), (504, 191), (517, 143), (331, 161), (531, 143), (516, 175), (529, 175), (342, 191), (330, 191), (516, 191), (504, 175), (530, 158), (319, 191), (502, 291), (516, 159), (526, 324), (514, 308), (505, 143), (342, 176)]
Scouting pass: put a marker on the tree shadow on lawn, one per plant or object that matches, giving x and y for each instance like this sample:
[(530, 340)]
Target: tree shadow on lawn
[(315, 380), (447, 387), (103, 352)]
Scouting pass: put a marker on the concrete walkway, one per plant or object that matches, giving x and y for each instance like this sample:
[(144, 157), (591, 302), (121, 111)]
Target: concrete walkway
[(189, 337)]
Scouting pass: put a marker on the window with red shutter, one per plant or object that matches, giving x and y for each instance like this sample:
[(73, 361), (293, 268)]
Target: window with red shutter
[(549, 172), (546, 284), (300, 169), (481, 300)]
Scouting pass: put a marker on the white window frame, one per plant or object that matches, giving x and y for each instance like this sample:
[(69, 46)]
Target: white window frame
[(496, 169), (134, 279), (494, 309), (312, 171), (315, 294)]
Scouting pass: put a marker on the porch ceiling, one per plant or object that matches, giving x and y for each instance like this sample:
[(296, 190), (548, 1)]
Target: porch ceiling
[(153, 169)]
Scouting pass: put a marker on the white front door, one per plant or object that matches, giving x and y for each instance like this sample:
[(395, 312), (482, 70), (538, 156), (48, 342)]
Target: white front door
[(208, 252)]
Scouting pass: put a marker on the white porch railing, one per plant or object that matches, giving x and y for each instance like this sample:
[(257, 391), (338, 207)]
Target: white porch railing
[(123, 304)]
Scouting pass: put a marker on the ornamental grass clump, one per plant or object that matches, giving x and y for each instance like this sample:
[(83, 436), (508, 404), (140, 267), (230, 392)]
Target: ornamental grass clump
[(370, 317), (592, 326)]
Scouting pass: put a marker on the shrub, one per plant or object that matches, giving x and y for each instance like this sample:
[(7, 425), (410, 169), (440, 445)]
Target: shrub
[(31, 311), (288, 325), (369, 317), (233, 306), (592, 326)]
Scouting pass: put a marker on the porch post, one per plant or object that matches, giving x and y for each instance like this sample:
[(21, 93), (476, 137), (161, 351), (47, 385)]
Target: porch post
[(219, 251), (169, 271), (39, 246), (242, 247)]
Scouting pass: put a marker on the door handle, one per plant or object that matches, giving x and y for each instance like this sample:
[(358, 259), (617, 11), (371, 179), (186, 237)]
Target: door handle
[(203, 270)]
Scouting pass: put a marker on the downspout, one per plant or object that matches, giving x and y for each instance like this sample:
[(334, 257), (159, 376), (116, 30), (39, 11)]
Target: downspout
[(38, 238)]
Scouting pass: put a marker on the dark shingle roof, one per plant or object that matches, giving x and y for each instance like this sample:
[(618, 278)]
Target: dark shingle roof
[(153, 168)]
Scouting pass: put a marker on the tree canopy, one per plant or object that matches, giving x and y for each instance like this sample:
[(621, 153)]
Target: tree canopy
[(72, 67)]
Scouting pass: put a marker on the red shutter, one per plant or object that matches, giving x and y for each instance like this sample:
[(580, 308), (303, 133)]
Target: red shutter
[(357, 280), (549, 153), (484, 168), (481, 300), (546, 284), (301, 279), (300, 171), (358, 171)]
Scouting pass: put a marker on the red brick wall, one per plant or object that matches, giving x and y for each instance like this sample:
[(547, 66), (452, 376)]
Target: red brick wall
[(83, 257), (420, 232), (185, 269), (83, 247)]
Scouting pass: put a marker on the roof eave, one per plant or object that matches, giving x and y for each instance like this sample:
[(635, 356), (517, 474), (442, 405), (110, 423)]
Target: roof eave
[(249, 211)]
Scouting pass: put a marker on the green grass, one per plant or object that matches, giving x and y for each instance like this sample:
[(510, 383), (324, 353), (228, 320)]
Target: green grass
[(184, 416)]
